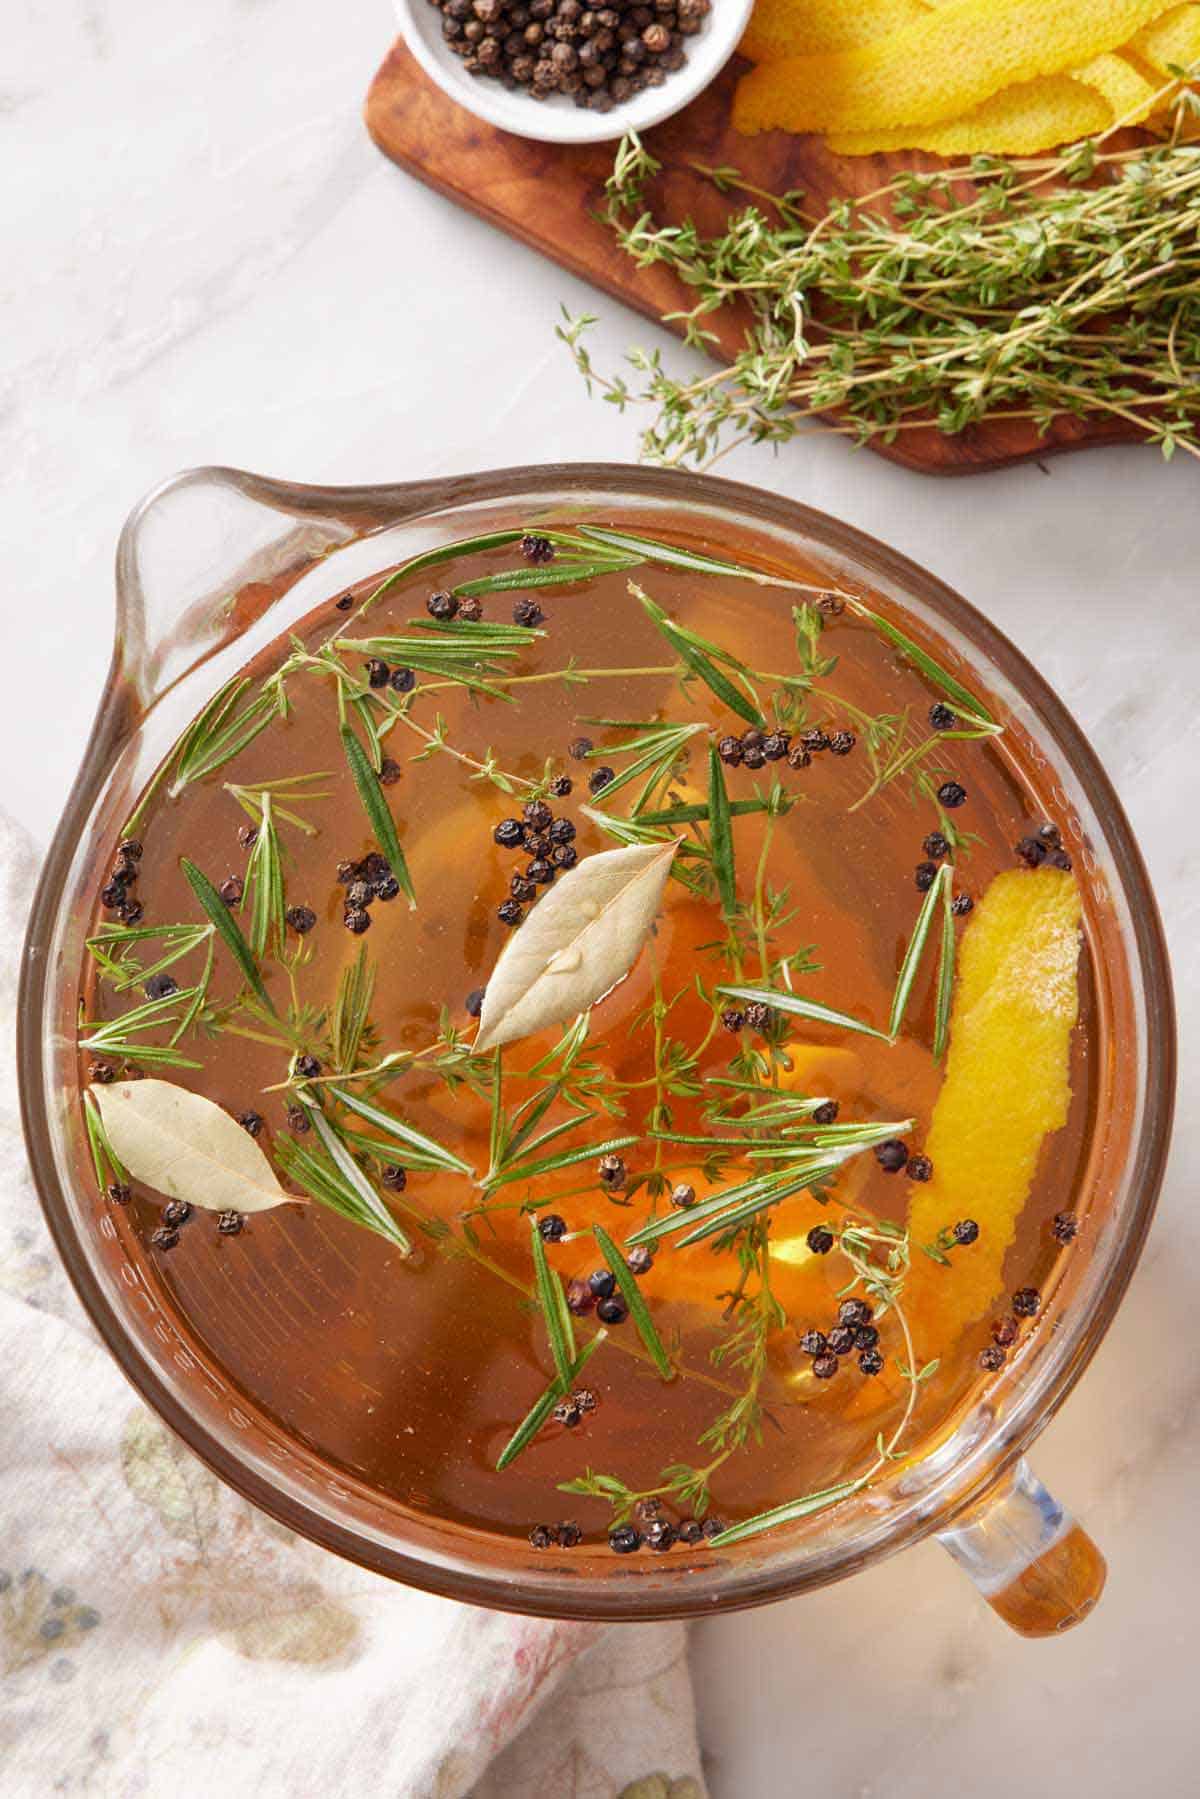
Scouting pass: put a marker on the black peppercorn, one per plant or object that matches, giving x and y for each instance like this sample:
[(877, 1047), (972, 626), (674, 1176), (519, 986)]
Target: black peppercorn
[(522, 889), (568, 1534), (961, 904), (753, 756), (729, 749), (344, 603), (1025, 1302), (826, 1112), (612, 1170), (1058, 859), (690, 1530), (537, 815), (775, 746), (992, 1357), (733, 1020), (952, 794), (924, 875), (919, 1168), (541, 1537), (509, 913), (936, 845), (176, 1213), (377, 672), (1005, 1331), (540, 871), (119, 1192), (393, 1177), (346, 872), (1030, 851), (132, 912), (390, 772), (600, 778), (125, 869), (131, 849), (509, 833), (865, 1336), (966, 1232), (474, 1002), (230, 1224), (112, 897), (854, 1312), (941, 718), (307, 1067), (841, 743), (798, 757), (758, 1016), (659, 1534), (580, 1298), (161, 986), (841, 1340), (526, 611), (231, 890), (612, 1310), (562, 831), (442, 606), (820, 1240), (580, 748), (814, 1342), (825, 1366), (536, 842), (358, 893), (386, 888), (551, 1228), (567, 1413), (814, 740), (356, 919), (251, 1122), (301, 919), (535, 548), (163, 1238), (712, 1527), (753, 738), (624, 1539), (470, 608), (871, 1362), (403, 680), (683, 1196), (560, 787), (639, 1261), (892, 1155), (564, 855), (1064, 1227), (602, 1283), (298, 1120)]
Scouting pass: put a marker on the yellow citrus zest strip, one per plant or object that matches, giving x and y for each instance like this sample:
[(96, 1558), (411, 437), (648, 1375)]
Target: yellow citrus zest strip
[(1018, 121), (1125, 88), (1172, 39), (1007, 1087), (812, 27), (936, 68)]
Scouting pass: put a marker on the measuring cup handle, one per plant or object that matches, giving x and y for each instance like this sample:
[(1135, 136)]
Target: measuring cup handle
[(1037, 1569)]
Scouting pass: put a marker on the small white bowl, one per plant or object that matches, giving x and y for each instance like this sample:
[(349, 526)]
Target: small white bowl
[(558, 120)]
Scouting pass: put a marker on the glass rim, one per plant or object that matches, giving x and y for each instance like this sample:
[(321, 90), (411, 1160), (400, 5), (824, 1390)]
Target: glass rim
[(552, 1595)]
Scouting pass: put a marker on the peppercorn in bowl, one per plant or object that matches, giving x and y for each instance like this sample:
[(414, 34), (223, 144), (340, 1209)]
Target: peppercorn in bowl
[(565, 72), (593, 1040)]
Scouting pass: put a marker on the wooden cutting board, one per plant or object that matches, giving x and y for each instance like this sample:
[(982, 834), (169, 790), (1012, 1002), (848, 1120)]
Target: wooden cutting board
[(545, 195)]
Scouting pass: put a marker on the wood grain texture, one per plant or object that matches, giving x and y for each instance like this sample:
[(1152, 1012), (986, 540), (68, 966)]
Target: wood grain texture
[(545, 195)]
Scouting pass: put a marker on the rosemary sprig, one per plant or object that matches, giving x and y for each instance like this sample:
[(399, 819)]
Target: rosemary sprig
[(639, 1311), (295, 790), (335, 1180), (264, 886), (945, 977), (935, 897), (114, 950), (121, 1036), (351, 1011), (656, 752), (703, 658), (534, 1419), (548, 1290), (226, 927), (720, 834), (801, 1008), (418, 1149), (105, 1161), (379, 815)]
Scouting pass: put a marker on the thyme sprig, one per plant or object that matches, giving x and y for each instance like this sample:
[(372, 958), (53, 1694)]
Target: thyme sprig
[(1066, 286)]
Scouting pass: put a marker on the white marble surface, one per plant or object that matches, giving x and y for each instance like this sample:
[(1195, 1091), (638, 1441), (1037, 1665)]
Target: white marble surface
[(206, 260)]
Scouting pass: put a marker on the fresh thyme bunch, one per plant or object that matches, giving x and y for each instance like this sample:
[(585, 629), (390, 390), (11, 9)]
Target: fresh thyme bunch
[(1066, 284)]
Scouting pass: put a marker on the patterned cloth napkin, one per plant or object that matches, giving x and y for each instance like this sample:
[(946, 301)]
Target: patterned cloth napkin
[(158, 1636)]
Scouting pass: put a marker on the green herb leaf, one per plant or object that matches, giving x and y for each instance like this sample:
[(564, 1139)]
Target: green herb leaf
[(945, 977), (264, 885), (376, 808), (720, 834), (337, 1181), (351, 1010), (534, 1419), (105, 1159), (802, 1008), (639, 1311), (415, 1143), (787, 1514), (226, 927), (701, 657), (553, 1301), (916, 945), (933, 671)]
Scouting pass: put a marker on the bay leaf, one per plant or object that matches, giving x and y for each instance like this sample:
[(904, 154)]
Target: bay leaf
[(578, 941), (187, 1147)]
